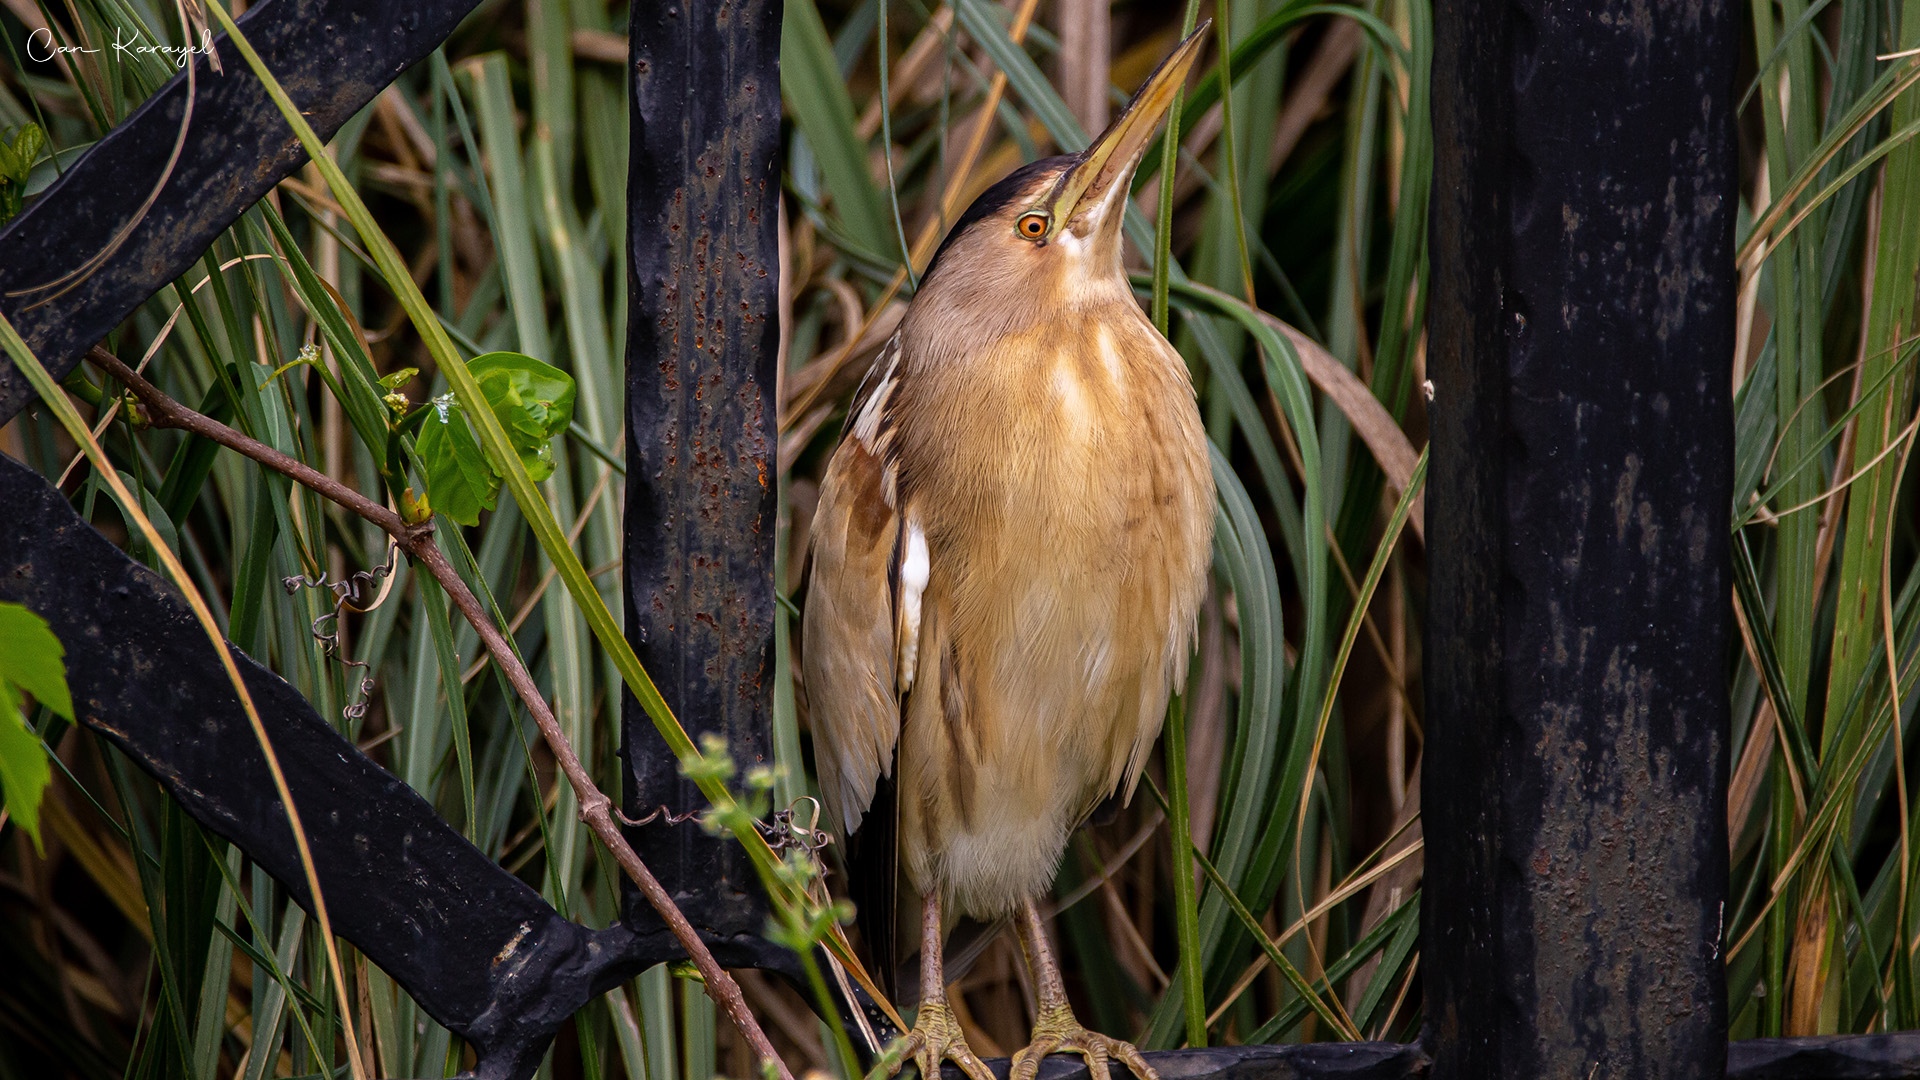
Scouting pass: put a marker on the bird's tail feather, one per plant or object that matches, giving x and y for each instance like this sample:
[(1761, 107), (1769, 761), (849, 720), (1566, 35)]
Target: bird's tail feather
[(872, 884)]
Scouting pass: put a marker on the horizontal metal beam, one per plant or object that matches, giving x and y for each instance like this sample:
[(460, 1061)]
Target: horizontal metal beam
[(1300, 1061), (1894, 1056), (480, 951), (1839, 1057), (332, 56)]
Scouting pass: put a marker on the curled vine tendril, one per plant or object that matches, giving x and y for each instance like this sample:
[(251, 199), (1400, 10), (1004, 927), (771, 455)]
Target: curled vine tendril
[(782, 830), (349, 594), (662, 815), (785, 831)]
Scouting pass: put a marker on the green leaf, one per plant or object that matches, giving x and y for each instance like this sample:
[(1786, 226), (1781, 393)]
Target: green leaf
[(533, 400), (399, 378), (23, 766), (460, 483), (156, 512), (26, 149), (31, 660), (16, 162)]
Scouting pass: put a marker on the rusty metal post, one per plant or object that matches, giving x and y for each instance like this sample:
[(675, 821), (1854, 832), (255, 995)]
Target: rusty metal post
[(702, 427), (1581, 335)]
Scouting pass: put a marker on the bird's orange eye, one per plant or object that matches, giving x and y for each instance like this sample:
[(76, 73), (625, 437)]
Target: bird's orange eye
[(1032, 226)]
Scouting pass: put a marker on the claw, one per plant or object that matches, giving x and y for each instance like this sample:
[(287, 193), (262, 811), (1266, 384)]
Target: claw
[(1058, 1032), (936, 1037)]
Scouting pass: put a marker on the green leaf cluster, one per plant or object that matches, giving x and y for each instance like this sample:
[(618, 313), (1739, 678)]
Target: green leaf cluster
[(31, 663), (534, 402), (16, 161)]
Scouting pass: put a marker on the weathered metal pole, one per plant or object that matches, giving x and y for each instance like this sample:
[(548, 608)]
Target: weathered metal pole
[(702, 427), (1581, 333)]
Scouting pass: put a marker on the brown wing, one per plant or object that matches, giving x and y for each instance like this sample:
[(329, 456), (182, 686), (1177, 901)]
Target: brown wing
[(850, 655), (867, 568), (857, 602)]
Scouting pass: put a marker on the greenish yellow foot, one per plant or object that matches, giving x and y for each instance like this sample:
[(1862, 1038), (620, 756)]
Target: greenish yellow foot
[(935, 1037), (1058, 1032)]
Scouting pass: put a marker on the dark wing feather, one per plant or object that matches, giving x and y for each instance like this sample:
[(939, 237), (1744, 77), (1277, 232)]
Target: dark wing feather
[(873, 885)]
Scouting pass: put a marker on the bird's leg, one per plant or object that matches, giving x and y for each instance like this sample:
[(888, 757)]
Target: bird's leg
[(936, 1034), (1056, 1030)]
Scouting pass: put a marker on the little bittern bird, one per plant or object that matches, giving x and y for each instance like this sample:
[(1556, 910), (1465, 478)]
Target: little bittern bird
[(1009, 552)]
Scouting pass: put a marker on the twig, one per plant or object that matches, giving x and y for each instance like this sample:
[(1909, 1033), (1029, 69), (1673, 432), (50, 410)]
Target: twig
[(416, 539)]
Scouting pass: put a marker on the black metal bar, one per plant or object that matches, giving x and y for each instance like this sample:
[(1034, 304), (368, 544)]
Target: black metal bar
[(1581, 333), (1301, 1061), (1841, 1057), (1894, 1056), (332, 56), (478, 949), (702, 342)]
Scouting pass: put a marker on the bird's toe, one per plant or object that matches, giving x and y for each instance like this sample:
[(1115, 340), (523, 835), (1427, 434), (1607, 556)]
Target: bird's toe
[(1058, 1032), (1026, 1062), (962, 1055), (1134, 1059), (936, 1037)]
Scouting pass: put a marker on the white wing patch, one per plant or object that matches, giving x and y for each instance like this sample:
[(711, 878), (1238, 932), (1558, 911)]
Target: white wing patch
[(870, 401), (915, 568), (866, 424), (869, 424)]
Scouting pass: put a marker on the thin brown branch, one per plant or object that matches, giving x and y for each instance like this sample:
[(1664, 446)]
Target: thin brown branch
[(417, 541)]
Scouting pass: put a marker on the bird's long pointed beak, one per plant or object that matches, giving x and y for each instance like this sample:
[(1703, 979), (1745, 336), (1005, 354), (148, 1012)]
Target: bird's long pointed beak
[(1100, 181)]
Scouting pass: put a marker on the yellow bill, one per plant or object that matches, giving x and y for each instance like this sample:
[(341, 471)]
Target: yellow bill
[(1106, 167)]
